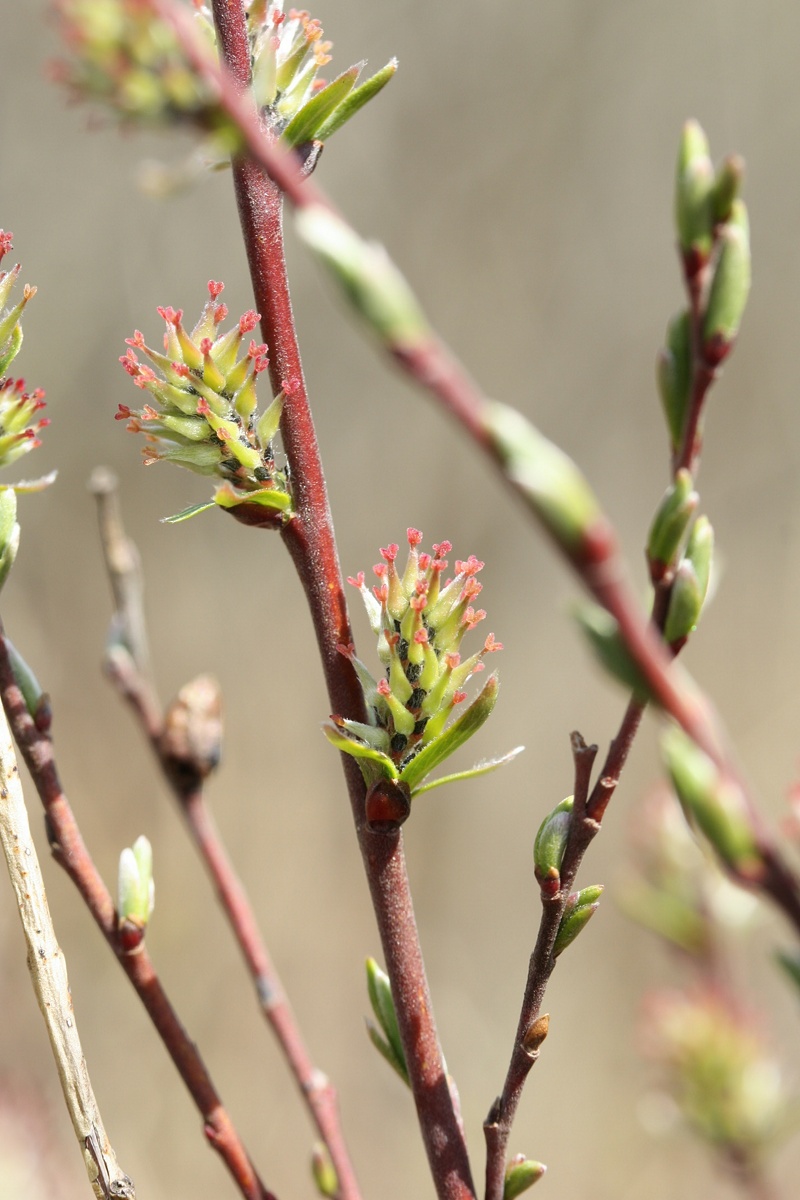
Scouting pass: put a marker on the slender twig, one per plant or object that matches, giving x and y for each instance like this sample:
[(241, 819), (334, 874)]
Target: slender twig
[(598, 562), (310, 539), (70, 852), (48, 971), (186, 779)]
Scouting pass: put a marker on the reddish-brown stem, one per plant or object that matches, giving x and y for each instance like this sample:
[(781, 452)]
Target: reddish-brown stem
[(186, 780), (310, 540), (69, 850)]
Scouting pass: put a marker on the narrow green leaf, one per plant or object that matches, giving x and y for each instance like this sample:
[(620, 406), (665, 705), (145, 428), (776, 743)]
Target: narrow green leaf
[(305, 124), (454, 736), (356, 100), (191, 511), (359, 750), (481, 768)]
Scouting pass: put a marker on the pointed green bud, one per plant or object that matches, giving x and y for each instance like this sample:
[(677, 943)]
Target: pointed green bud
[(727, 187), (694, 184), (550, 480), (690, 585), (382, 1002), (551, 841), (36, 700), (307, 122), (324, 1172), (685, 605), (603, 635), (712, 803), (580, 908), (674, 375), (670, 525), (135, 894), (356, 100), (521, 1174), (729, 287), (9, 532), (369, 279)]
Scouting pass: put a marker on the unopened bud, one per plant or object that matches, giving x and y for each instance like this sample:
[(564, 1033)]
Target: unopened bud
[(727, 186), (712, 802), (324, 1172), (536, 1033), (690, 586), (580, 908), (551, 842), (674, 375), (694, 183), (670, 525), (135, 894), (603, 635), (729, 288), (367, 276), (521, 1174), (549, 479)]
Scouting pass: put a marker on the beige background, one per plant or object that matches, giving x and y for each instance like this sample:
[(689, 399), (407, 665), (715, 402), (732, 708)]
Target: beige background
[(520, 169)]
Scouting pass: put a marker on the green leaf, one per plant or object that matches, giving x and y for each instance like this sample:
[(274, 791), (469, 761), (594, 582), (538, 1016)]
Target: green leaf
[(454, 736), (481, 768), (388, 1053), (305, 124), (227, 496), (380, 997), (184, 515), (341, 741), (356, 100)]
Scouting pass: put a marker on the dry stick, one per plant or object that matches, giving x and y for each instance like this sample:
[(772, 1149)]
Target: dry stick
[(310, 540), (122, 565), (48, 970), (70, 852)]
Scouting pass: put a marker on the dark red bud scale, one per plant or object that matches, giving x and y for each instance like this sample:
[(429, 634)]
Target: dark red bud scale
[(130, 936), (388, 805)]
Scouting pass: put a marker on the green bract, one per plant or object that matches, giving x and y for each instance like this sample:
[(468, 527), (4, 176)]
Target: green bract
[(206, 417), (419, 623)]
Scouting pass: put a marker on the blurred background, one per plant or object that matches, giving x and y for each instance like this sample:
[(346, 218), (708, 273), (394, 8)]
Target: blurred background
[(519, 169)]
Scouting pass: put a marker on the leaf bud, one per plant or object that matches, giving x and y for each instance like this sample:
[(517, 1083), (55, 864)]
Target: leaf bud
[(521, 1174), (324, 1172), (551, 842), (551, 482), (369, 279), (536, 1033), (674, 375), (729, 288), (712, 803), (580, 908), (694, 183), (690, 586), (670, 525), (135, 894), (727, 186)]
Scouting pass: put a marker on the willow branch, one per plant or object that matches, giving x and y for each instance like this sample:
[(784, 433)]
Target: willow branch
[(309, 537), (185, 765), (70, 851)]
